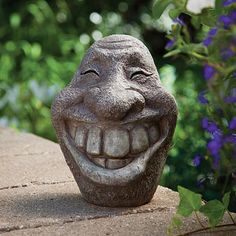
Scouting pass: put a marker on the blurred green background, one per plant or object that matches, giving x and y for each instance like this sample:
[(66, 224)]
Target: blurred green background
[(41, 45)]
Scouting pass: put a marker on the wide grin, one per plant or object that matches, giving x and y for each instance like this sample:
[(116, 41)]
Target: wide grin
[(114, 147)]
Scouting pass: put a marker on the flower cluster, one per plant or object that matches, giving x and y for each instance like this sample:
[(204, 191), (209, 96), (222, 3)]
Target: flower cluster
[(220, 94), (217, 140), (216, 53), (228, 20)]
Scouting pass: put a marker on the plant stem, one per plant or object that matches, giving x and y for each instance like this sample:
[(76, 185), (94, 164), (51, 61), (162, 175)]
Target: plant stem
[(198, 219), (225, 183), (231, 217), (198, 56), (200, 230)]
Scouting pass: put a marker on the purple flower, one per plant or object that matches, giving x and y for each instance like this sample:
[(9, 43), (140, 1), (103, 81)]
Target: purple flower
[(207, 41), (209, 71), (170, 43), (205, 122), (201, 98), (232, 123), (233, 16), (228, 2), (234, 74), (212, 32), (217, 135), (214, 146), (230, 138), (226, 53), (179, 21), (226, 20), (197, 160), (210, 127), (230, 99)]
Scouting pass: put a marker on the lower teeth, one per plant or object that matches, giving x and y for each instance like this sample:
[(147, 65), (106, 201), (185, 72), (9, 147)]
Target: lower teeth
[(111, 163)]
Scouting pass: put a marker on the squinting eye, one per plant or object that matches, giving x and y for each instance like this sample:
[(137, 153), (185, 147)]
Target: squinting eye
[(90, 71), (140, 76)]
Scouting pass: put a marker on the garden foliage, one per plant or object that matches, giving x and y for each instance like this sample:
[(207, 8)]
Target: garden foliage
[(214, 48)]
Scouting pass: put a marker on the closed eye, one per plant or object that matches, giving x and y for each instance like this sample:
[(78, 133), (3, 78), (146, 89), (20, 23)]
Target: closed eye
[(140, 72), (89, 71)]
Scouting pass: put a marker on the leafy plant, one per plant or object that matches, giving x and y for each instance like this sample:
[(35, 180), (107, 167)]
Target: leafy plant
[(191, 202), (212, 46)]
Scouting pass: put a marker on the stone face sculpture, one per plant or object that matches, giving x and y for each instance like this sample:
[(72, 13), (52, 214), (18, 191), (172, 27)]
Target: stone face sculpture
[(115, 123)]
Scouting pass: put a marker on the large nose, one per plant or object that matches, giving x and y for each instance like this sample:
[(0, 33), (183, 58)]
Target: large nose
[(113, 101)]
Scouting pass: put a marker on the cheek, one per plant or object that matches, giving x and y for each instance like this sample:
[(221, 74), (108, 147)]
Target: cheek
[(83, 82), (150, 91), (68, 97), (159, 98)]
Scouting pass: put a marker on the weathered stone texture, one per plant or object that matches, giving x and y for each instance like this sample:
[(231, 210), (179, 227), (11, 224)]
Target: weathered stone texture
[(117, 96)]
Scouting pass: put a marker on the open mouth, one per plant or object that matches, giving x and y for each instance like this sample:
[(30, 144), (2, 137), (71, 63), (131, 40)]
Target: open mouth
[(116, 146)]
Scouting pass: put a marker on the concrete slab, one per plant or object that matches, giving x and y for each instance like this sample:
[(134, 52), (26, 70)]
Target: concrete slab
[(45, 205), (27, 159), (133, 224), (38, 196)]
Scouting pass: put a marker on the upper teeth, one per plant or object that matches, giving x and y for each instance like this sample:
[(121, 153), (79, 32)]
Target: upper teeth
[(139, 141), (94, 141), (116, 142), (112, 142)]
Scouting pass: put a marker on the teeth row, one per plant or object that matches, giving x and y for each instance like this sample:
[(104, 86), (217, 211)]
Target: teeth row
[(111, 163), (113, 142)]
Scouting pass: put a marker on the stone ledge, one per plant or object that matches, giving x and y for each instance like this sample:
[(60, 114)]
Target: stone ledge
[(38, 196)]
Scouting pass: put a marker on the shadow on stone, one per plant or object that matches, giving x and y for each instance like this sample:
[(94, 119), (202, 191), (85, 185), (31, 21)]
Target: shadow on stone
[(60, 206)]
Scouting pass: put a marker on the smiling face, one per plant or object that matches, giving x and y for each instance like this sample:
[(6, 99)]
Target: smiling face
[(115, 122)]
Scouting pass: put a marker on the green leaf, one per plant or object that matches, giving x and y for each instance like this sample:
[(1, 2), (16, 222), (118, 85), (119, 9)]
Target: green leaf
[(195, 21), (196, 47), (226, 200), (209, 17), (214, 210), (189, 201), (159, 7), (172, 53), (218, 6), (176, 221), (174, 13)]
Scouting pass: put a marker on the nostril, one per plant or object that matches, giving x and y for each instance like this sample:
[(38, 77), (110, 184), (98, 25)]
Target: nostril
[(138, 104)]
